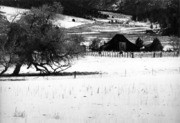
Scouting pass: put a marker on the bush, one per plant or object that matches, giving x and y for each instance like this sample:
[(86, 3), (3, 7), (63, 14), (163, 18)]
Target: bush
[(95, 45)]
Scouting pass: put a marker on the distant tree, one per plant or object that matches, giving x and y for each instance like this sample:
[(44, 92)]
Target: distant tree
[(165, 12), (139, 43), (35, 41), (175, 42), (95, 45), (156, 45), (151, 26)]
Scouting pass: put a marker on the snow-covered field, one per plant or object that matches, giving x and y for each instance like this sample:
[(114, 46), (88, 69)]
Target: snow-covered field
[(128, 66), (141, 90), (67, 21)]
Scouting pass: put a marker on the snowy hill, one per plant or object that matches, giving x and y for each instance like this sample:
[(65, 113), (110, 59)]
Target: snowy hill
[(63, 21)]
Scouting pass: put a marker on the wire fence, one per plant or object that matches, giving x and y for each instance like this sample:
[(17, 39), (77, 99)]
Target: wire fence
[(133, 54)]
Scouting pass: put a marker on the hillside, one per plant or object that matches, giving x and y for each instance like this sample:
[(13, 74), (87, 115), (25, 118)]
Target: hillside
[(79, 8), (60, 20)]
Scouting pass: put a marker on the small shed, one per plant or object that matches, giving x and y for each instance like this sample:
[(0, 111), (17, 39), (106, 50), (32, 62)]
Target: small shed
[(154, 46)]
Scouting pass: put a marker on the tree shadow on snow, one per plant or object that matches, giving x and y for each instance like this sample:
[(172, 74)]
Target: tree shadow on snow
[(21, 77)]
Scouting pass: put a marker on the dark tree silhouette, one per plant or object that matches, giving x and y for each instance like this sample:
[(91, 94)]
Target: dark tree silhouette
[(35, 41), (139, 42), (165, 12), (95, 45)]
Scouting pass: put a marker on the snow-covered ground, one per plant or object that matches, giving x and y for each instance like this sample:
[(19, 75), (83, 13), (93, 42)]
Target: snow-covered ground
[(129, 90), (132, 67), (11, 12), (136, 90), (121, 66), (67, 21)]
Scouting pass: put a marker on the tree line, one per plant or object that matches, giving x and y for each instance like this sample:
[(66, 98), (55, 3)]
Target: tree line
[(164, 12)]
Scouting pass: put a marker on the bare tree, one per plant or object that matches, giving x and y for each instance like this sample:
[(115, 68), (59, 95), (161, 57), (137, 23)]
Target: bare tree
[(5, 55), (35, 41)]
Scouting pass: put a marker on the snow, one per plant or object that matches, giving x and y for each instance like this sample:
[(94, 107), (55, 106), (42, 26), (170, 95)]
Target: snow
[(119, 28), (120, 66), (133, 67), (168, 48), (66, 24), (137, 96), (66, 21), (138, 23), (149, 99), (85, 33), (11, 12), (102, 20), (129, 90)]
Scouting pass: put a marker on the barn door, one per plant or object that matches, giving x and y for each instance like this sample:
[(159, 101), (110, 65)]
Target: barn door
[(122, 46)]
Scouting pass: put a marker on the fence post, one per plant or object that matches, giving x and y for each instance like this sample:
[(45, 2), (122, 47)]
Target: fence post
[(154, 55), (132, 54), (177, 53), (75, 74), (174, 54)]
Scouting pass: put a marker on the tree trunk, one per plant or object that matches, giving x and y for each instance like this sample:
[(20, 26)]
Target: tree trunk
[(6, 68), (17, 69)]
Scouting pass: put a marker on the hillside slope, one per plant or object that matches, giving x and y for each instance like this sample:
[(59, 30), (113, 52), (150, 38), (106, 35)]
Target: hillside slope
[(60, 20)]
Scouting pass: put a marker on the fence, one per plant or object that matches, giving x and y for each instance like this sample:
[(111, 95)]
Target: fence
[(133, 54)]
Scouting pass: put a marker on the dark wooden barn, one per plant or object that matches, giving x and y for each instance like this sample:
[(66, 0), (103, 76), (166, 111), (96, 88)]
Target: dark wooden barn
[(120, 43)]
